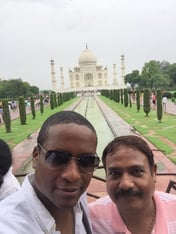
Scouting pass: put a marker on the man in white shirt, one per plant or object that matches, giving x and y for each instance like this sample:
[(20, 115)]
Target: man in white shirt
[(52, 200)]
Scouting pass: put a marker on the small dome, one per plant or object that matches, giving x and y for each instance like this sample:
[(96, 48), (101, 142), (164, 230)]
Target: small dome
[(87, 57)]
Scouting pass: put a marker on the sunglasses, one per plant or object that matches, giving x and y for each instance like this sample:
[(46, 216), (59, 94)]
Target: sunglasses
[(58, 159)]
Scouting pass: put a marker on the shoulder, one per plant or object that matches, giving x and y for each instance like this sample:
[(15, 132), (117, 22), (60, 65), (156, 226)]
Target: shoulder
[(165, 202), (165, 197), (9, 186), (17, 214), (17, 204), (166, 215), (12, 203), (13, 213)]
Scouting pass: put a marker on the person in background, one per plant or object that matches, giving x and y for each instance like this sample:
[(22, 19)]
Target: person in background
[(154, 99), (133, 206), (8, 182), (1, 114), (53, 198), (164, 101)]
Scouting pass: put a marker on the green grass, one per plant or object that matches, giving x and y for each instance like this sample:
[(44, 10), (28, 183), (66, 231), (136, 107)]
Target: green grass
[(173, 160), (157, 133), (20, 132)]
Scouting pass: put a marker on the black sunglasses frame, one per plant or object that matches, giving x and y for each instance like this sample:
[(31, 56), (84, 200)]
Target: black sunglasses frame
[(80, 161)]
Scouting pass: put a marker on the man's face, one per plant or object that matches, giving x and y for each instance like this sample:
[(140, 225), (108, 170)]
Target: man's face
[(62, 188), (130, 182)]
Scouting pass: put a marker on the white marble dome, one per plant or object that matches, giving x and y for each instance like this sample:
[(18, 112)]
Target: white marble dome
[(87, 58)]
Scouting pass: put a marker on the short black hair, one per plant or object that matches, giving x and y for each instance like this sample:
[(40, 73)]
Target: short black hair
[(5, 159), (131, 141), (62, 117)]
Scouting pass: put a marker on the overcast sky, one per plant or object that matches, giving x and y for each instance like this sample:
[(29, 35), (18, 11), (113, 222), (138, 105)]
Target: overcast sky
[(34, 31)]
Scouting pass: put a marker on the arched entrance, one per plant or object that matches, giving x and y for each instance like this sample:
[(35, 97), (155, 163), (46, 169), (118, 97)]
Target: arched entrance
[(88, 80)]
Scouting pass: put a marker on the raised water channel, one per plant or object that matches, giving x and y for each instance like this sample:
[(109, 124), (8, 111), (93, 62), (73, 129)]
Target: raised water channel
[(89, 108)]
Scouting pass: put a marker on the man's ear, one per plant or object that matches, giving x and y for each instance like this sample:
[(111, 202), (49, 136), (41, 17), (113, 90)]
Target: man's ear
[(35, 157)]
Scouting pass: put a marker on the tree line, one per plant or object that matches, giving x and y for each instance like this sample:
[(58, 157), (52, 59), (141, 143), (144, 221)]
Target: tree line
[(154, 75), (14, 88)]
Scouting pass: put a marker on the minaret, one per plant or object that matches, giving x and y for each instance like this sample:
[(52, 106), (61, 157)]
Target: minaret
[(53, 76), (115, 83), (62, 79), (122, 71)]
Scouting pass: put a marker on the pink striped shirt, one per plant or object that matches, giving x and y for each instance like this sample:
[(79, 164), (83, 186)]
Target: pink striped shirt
[(106, 219)]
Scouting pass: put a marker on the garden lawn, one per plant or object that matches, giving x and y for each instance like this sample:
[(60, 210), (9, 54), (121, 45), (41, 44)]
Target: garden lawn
[(159, 134), (20, 132)]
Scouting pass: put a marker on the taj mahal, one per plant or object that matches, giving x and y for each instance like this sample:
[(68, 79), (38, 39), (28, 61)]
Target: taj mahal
[(88, 75)]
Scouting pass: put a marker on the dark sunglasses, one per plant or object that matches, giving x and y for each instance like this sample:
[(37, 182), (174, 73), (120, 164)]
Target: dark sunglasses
[(57, 159)]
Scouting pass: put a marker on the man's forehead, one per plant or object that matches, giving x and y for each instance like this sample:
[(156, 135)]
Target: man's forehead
[(126, 157)]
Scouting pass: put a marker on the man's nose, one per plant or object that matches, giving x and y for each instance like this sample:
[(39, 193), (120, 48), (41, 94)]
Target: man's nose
[(126, 182), (71, 171)]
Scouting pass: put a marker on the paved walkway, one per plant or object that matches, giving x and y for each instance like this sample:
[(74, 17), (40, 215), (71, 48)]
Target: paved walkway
[(23, 150)]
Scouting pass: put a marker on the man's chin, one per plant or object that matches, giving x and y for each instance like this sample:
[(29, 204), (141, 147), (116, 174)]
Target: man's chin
[(66, 204)]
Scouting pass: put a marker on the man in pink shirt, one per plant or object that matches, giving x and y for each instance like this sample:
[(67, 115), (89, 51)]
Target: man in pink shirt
[(133, 205)]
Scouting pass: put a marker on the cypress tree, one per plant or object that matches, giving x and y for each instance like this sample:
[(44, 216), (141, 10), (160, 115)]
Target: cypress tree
[(115, 95), (125, 97), (159, 105), (52, 102), (146, 101), (55, 100), (121, 96), (41, 104), (22, 110), (6, 115), (138, 100), (32, 107), (118, 95), (61, 98), (130, 101)]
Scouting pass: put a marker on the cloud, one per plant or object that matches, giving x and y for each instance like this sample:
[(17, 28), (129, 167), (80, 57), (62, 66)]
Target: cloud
[(33, 31)]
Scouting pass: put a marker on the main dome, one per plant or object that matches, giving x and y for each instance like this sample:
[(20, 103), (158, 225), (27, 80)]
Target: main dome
[(87, 58)]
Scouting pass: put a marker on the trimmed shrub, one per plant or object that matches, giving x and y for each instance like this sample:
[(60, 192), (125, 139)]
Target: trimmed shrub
[(22, 110), (138, 100), (41, 104), (159, 105), (32, 107), (52, 101), (6, 115), (125, 98), (146, 101)]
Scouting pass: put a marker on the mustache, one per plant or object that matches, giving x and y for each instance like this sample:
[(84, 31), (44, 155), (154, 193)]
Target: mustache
[(128, 193)]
